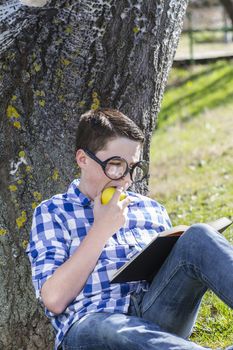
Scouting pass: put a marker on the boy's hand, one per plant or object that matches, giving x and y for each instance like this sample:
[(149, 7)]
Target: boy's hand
[(110, 217)]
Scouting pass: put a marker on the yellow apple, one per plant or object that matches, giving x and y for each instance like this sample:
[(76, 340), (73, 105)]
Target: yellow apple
[(108, 193)]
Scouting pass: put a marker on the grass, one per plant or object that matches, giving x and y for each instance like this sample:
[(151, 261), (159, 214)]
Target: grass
[(208, 37), (203, 88), (192, 168)]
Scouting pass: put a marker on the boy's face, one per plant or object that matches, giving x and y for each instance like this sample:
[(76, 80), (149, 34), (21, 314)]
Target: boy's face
[(93, 179)]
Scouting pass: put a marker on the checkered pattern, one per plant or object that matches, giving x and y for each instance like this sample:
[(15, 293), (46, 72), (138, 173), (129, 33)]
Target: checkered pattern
[(60, 224)]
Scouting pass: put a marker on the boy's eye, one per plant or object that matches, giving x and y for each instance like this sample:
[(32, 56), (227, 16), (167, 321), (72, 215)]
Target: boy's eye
[(117, 163)]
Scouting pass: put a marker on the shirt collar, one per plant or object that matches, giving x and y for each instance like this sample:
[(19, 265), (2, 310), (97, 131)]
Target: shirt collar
[(76, 195)]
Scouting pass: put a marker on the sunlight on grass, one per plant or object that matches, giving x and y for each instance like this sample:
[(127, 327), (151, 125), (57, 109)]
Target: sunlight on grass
[(192, 169), (188, 95), (214, 326)]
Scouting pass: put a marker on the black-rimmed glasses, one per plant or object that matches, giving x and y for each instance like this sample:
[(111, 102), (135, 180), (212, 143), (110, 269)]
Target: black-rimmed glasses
[(116, 167)]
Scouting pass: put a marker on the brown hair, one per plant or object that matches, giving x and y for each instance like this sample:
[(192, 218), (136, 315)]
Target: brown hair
[(97, 127)]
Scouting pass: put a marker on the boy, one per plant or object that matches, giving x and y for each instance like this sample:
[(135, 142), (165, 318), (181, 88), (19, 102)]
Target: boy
[(77, 243)]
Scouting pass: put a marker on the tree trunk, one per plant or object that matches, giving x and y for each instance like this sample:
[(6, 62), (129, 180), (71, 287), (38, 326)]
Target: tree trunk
[(56, 62), (228, 5)]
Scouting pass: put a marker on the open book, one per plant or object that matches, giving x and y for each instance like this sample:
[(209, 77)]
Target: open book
[(145, 264)]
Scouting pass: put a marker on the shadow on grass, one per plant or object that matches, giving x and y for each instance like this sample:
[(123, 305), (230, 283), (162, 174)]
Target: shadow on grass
[(213, 94), (178, 82)]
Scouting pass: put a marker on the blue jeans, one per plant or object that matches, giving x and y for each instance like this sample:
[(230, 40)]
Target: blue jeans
[(163, 317)]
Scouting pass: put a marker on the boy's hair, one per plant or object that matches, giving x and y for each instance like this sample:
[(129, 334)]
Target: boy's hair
[(97, 127)]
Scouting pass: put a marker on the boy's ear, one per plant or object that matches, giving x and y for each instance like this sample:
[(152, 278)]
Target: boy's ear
[(81, 158)]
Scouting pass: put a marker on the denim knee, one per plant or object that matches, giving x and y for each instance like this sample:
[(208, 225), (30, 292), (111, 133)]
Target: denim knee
[(196, 240), (200, 232)]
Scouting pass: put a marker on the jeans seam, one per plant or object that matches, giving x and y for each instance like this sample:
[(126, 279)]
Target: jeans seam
[(137, 308), (204, 278), (212, 287), (159, 291)]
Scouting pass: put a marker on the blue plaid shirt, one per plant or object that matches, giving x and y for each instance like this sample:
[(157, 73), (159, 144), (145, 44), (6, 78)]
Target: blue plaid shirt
[(61, 223)]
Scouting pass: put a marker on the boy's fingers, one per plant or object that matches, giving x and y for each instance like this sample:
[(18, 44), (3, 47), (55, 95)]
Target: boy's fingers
[(116, 195), (125, 202)]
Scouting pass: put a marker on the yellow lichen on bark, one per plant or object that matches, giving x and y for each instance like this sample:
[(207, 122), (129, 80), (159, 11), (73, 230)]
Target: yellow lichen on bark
[(24, 244), (3, 231), (17, 125), (28, 168), (55, 175), (65, 62), (96, 101), (20, 221), (37, 196), (34, 205), (12, 188), (136, 30), (37, 67), (12, 112), (22, 154)]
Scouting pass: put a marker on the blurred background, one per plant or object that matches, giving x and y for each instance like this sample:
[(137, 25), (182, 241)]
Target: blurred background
[(192, 147), (207, 31)]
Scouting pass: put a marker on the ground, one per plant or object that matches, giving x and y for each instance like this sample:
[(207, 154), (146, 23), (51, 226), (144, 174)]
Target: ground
[(192, 168)]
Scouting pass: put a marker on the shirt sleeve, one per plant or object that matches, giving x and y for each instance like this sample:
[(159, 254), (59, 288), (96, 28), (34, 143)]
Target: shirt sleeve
[(48, 247), (166, 218)]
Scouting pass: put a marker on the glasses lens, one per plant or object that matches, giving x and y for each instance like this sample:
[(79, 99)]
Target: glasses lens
[(115, 168), (140, 171)]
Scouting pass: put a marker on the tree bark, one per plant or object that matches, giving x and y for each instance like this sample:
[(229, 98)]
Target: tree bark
[(228, 5), (56, 62)]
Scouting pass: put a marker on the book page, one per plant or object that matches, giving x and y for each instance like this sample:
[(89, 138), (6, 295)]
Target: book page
[(177, 230)]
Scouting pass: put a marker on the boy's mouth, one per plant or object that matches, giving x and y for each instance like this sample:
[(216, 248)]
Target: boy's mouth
[(125, 187)]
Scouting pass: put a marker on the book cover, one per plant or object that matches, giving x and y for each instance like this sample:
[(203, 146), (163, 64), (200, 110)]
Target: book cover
[(145, 264)]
